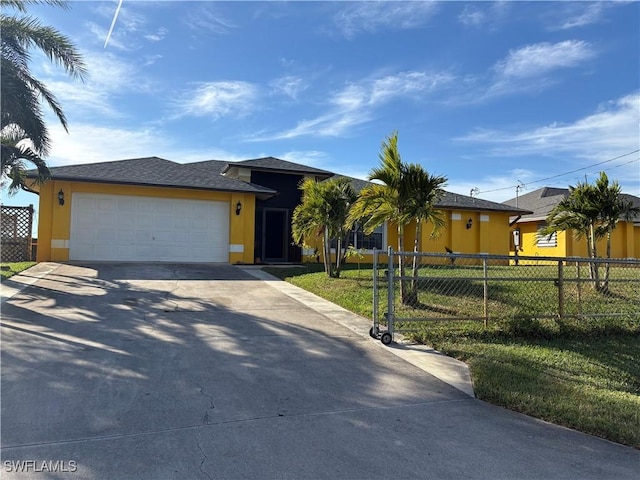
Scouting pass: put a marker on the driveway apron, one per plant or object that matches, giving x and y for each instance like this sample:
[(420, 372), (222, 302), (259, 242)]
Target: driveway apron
[(153, 371)]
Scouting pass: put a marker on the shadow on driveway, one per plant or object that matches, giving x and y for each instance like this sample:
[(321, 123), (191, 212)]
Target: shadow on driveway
[(202, 371)]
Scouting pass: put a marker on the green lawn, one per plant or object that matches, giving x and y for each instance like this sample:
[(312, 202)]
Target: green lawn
[(582, 374), (10, 269)]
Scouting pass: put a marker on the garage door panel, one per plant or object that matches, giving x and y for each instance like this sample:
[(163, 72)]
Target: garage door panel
[(128, 228)]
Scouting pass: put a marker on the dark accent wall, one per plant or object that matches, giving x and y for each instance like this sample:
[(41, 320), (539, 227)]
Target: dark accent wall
[(288, 198), (286, 185)]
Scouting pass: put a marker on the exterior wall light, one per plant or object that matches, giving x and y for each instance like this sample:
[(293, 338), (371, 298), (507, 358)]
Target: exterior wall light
[(238, 207), (61, 197), (469, 223)]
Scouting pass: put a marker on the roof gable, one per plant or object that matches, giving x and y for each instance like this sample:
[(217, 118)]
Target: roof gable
[(272, 164)]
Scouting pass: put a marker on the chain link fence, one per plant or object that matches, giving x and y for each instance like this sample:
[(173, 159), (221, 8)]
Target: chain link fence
[(431, 287)]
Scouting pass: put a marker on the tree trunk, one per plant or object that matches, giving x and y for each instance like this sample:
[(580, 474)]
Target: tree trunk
[(605, 283), (336, 272), (326, 247), (413, 297), (403, 283)]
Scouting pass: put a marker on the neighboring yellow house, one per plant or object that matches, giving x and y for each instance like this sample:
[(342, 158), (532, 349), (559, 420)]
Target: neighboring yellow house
[(625, 240), (473, 226)]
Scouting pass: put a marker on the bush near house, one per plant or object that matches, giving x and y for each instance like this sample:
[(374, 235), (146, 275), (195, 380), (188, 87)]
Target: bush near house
[(585, 377)]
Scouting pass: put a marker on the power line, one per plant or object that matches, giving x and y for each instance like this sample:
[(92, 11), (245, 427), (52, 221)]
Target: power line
[(520, 184)]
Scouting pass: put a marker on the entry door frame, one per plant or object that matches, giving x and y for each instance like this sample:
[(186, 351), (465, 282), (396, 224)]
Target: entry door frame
[(285, 234)]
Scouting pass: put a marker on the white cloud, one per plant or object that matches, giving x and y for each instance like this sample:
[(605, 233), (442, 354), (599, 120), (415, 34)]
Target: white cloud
[(356, 103), (612, 130), (531, 68), (608, 133), (406, 84), (538, 59), (289, 85), (151, 59), (217, 99), (86, 143), (205, 16), (482, 14), (574, 15), (108, 76), (158, 35), (496, 188), (472, 16), (115, 41), (374, 16)]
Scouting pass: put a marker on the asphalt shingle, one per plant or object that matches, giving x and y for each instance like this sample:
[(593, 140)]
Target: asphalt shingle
[(273, 164), (452, 201), (155, 171), (540, 202)]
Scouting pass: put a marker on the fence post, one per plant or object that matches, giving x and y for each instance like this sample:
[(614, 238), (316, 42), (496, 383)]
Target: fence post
[(579, 281), (30, 235), (560, 289), (390, 293), (375, 292), (485, 274)]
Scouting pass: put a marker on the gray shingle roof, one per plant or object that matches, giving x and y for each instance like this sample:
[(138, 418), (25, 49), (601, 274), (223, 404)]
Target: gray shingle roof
[(357, 183), (453, 200), (154, 171), (272, 164), (464, 202), (542, 201)]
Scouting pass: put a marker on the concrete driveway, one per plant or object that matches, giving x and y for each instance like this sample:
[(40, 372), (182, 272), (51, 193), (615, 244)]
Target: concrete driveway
[(137, 371)]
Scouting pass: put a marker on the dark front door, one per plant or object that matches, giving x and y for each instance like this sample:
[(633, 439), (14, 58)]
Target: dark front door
[(275, 234)]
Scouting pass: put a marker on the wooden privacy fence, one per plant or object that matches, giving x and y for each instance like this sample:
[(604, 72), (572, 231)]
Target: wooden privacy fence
[(15, 241)]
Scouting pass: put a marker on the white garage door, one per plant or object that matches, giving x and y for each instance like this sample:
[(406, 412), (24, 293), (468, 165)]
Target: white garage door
[(130, 228)]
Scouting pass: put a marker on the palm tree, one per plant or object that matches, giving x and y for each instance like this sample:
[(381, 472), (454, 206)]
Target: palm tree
[(323, 213), (427, 191), (578, 212), (23, 132), (405, 193), (613, 207), (593, 212)]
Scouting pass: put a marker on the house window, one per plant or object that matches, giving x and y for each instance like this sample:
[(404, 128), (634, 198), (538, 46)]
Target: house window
[(545, 241), (359, 240)]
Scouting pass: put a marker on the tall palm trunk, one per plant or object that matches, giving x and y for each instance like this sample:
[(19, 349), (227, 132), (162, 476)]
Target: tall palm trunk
[(404, 291), (336, 272), (607, 266), (416, 249), (326, 247)]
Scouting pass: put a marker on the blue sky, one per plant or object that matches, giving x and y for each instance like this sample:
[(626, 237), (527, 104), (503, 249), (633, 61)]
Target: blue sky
[(489, 94)]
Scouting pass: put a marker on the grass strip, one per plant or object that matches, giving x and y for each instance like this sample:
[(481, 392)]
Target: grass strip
[(584, 375), (8, 270)]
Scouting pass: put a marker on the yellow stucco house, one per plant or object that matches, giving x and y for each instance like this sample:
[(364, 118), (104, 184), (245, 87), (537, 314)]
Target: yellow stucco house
[(152, 209), (472, 226), (625, 240)]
